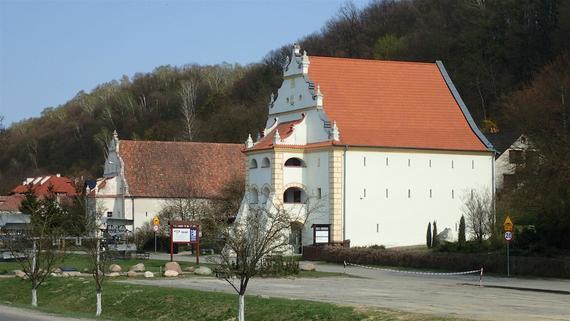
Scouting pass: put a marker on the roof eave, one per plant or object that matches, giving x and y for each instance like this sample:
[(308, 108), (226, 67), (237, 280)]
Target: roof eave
[(463, 107)]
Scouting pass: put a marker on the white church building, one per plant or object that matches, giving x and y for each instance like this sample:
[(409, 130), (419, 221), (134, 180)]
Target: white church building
[(385, 146)]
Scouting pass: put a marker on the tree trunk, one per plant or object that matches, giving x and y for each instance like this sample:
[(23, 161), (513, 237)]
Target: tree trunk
[(241, 310), (99, 304), (34, 297)]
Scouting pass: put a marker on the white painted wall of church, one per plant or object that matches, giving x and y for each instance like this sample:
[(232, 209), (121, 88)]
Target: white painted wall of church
[(399, 219)]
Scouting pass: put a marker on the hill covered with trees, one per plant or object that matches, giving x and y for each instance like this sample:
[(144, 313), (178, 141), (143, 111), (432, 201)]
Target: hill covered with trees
[(496, 52)]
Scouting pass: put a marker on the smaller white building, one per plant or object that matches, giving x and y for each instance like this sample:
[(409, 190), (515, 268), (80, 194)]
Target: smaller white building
[(511, 159), (140, 177)]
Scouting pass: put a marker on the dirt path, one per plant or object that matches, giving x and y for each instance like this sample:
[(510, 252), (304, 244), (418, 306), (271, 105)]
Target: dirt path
[(444, 296)]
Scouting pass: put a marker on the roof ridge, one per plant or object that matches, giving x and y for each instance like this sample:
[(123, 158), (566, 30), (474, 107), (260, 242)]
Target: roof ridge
[(376, 60), (177, 142)]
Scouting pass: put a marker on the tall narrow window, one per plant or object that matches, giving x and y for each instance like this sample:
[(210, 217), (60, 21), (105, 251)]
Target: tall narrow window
[(386, 161), (386, 193), (452, 164), (319, 194), (430, 163), (364, 193), (364, 161), (472, 164), (409, 162), (319, 162), (430, 193), (452, 194), (377, 227), (409, 193)]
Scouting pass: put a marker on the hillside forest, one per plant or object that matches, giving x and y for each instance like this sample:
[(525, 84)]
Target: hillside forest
[(508, 58)]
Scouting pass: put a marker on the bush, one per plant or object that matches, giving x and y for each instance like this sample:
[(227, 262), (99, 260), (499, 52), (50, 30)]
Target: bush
[(279, 265), (494, 262)]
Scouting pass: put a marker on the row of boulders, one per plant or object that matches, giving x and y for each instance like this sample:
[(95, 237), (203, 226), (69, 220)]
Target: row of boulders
[(171, 269)]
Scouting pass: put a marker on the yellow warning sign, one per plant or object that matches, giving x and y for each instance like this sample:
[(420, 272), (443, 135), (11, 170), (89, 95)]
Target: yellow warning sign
[(155, 220), (508, 225)]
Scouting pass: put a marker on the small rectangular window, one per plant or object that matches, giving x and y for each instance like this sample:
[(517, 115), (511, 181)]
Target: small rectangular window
[(386, 193), (365, 192), (430, 193), (319, 195), (452, 194), (452, 164), (472, 164), (409, 162), (377, 227), (109, 214), (386, 161), (364, 161), (409, 193), (430, 163)]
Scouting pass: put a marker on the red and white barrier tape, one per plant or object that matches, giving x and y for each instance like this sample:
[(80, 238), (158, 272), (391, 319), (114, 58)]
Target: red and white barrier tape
[(480, 271)]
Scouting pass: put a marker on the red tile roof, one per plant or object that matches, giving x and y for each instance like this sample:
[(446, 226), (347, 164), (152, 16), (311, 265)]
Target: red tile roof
[(392, 104), (180, 169), (285, 130), (41, 185), (11, 203)]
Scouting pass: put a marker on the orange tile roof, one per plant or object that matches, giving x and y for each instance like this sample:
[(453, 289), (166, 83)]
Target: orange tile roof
[(180, 169), (392, 104), (60, 185)]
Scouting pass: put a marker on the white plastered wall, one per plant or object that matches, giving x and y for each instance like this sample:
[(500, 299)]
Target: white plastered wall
[(397, 219)]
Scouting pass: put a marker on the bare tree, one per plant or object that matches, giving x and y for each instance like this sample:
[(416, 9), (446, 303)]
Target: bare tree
[(259, 231), (36, 248), (97, 255), (479, 212), (188, 93)]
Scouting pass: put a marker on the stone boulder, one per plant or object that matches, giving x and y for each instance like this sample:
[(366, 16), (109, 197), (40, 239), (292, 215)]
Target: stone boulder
[(191, 269), (148, 274), (203, 270), (114, 274), (20, 274), (446, 235), (131, 274), (115, 268), (137, 268), (70, 273), (172, 266), (307, 267), (171, 273)]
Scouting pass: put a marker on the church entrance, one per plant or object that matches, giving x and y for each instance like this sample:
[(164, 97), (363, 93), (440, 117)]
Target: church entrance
[(296, 237)]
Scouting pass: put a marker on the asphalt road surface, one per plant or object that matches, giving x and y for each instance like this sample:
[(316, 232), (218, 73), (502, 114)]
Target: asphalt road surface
[(14, 314), (453, 296)]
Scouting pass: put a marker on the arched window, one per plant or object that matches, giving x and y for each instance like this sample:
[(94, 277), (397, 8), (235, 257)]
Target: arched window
[(253, 196), (294, 195), (253, 163), (265, 194), (265, 163), (294, 162)]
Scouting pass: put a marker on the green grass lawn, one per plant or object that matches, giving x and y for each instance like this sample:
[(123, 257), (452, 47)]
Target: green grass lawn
[(126, 302)]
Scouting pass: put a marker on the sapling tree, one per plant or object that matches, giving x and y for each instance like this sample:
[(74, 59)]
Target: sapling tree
[(461, 238), (434, 238), (36, 248), (97, 255), (259, 231)]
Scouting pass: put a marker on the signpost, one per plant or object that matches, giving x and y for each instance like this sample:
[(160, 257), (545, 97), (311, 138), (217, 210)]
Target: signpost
[(185, 232), (508, 228), (155, 223)]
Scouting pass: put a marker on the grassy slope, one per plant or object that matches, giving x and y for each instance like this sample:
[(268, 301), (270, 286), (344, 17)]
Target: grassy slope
[(125, 302)]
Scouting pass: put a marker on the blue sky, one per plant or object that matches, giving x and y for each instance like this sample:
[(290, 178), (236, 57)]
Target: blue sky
[(50, 50)]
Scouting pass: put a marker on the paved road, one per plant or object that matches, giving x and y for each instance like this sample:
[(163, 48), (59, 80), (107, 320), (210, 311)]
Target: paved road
[(14, 314), (443, 296)]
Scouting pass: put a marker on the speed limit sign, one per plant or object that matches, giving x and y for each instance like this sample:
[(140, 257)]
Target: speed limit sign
[(155, 228), (508, 235)]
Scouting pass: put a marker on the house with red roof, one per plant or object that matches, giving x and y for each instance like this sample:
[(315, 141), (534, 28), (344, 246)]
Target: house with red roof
[(141, 177), (384, 146)]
